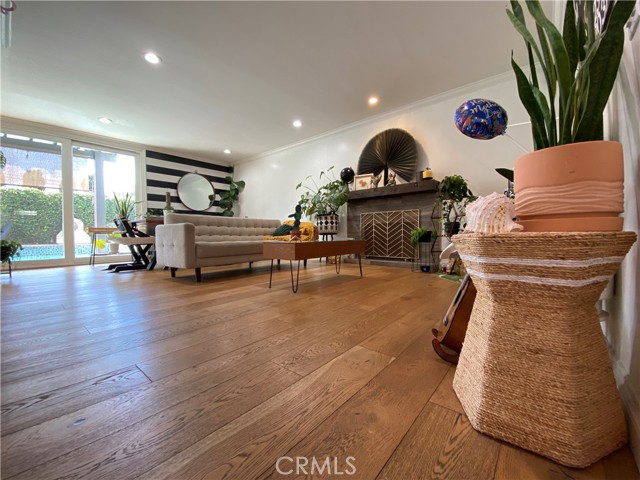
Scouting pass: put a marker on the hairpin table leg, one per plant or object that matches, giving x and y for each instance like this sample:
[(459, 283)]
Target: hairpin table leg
[(271, 272), (294, 288)]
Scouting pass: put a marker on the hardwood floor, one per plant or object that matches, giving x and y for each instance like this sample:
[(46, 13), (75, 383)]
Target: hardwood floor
[(137, 375)]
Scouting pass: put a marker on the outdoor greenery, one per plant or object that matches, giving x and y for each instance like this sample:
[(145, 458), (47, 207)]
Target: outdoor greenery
[(579, 65), (36, 216), (324, 198)]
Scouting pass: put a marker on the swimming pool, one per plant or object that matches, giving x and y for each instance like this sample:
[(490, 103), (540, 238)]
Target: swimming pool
[(49, 252)]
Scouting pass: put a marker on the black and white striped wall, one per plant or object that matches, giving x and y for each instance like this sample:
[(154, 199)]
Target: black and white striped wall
[(163, 172)]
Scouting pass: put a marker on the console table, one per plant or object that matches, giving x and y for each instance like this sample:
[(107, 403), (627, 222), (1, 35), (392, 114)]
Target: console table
[(94, 232), (534, 368)]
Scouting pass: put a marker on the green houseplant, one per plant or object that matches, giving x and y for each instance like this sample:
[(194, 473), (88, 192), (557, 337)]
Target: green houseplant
[(9, 250), (578, 68), (228, 198), (124, 205), (579, 65), (323, 200), (420, 235), (454, 196)]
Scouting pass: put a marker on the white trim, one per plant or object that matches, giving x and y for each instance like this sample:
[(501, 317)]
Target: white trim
[(37, 129), (560, 282), (540, 262), (464, 89), (631, 406)]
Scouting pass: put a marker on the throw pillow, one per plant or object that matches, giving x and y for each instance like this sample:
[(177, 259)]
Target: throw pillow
[(282, 230)]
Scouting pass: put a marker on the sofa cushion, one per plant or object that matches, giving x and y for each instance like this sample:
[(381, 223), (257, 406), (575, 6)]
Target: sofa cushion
[(230, 248)]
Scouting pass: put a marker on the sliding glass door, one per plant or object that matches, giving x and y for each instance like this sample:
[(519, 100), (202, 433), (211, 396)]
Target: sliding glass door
[(53, 190), (31, 203), (99, 175)]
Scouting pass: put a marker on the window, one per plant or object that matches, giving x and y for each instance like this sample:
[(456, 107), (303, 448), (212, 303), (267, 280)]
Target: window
[(31, 196), (51, 189)]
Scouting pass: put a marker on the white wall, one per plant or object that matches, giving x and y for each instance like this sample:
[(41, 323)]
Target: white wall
[(622, 328), (272, 177)]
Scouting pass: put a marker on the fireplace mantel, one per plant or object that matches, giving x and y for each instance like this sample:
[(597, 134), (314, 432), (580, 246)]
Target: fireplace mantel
[(391, 190)]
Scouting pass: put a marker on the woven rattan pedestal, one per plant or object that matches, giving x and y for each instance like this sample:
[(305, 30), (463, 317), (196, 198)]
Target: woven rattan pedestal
[(534, 369)]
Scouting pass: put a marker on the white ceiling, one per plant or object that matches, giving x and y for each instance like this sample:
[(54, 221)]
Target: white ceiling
[(235, 74)]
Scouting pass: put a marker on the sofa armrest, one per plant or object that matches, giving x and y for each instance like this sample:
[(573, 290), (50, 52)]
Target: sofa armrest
[(176, 245)]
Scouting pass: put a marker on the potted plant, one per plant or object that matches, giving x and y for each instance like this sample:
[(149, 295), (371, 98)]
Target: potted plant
[(454, 195), (9, 250), (580, 66), (124, 205), (420, 235), (228, 198), (114, 247), (324, 200)]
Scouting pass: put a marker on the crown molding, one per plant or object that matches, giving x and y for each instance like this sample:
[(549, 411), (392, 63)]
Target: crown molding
[(487, 82)]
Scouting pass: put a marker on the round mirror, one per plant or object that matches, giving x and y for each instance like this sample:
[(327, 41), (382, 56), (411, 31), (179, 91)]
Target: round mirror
[(194, 191)]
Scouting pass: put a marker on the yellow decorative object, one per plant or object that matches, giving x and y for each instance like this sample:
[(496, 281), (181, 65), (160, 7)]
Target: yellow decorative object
[(308, 229)]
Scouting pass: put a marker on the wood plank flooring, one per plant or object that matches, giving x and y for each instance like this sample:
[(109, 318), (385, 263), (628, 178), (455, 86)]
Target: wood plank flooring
[(137, 375)]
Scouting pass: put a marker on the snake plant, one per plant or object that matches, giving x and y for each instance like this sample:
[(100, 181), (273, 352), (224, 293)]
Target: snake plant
[(578, 68)]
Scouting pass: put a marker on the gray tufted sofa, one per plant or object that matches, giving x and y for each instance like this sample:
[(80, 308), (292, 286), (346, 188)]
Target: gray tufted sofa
[(196, 241)]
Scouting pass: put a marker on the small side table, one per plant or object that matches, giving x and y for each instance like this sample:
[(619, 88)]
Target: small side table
[(94, 232), (534, 368)]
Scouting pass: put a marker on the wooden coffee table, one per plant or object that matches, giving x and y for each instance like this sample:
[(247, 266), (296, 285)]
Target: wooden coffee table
[(278, 250)]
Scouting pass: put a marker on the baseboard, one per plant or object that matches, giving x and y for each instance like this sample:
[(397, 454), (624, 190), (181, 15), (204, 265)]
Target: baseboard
[(631, 405)]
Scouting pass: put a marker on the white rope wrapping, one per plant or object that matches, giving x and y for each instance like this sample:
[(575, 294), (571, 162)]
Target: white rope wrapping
[(540, 262), (539, 280)]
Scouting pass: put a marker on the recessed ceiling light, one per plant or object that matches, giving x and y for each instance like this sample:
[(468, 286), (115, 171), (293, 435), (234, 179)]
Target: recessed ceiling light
[(227, 151), (152, 58), (373, 100), (297, 123), (17, 137), (40, 140), (104, 120)]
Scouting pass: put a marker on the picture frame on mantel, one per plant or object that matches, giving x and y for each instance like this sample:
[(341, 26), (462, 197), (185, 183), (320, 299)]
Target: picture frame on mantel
[(362, 182)]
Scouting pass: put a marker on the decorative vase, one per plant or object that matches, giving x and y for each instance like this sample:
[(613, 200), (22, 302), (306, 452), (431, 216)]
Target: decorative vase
[(167, 205), (113, 247), (328, 224), (571, 188)]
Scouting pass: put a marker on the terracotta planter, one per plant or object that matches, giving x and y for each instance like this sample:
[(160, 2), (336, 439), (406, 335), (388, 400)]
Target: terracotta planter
[(571, 188), (295, 235)]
